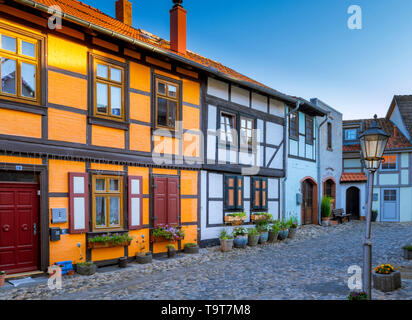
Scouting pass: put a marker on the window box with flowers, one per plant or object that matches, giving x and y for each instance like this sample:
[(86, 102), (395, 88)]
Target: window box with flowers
[(235, 219), (109, 241), (386, 278), (260, 216), (167, 234)]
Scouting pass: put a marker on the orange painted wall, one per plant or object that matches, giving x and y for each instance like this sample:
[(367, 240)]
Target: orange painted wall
[(139, 244), (139, 77), (18, 123), (59, 174), (20, 160), (67, 90), (165, 145), (66, 249), (191, 235), (191, 118), (61, 122), (140, 137), (191, 92), (107, 137), (105, 167), (139, 107), (188, 210), (191, 145), (188, 181)]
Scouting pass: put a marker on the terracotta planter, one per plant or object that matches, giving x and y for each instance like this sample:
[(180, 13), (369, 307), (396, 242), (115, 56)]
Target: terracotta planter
[(2, 279), (255, 217), (407, 254), (144, 259), (86, 270), (191, 250), (253, 240), (100, 245), (292, 233), (273, 237), (226, 245), (387, 282)]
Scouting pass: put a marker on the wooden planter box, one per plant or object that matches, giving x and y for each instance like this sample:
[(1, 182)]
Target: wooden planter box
[(100, 245), (387, 282), (236, 221), (258, 217)]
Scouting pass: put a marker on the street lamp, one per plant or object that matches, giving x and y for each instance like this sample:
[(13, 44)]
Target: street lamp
[(373, 142)]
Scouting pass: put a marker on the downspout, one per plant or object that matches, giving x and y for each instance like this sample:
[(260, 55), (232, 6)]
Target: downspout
[(319, 173), (285, 155)]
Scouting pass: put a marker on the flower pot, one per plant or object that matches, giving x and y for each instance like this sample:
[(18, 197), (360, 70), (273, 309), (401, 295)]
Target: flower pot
[(407, 254), (292, 233), (387, 282), (240, 241), (123, 262), (263, 237), (171, 253), (374, 216), (226, 245), (273, 236), (144, 259), (326, 221), (2, 279), (191, 250), (253, 240), (86, 270), (283, 234)]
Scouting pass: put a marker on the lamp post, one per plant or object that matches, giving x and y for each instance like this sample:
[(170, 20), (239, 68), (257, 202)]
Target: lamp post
[(373, 142)]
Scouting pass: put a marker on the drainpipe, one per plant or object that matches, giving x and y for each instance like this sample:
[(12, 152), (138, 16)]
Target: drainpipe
[(285, 155), (319, 173)]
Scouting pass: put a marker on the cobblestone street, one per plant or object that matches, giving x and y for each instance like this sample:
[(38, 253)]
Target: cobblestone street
[(312, 266)]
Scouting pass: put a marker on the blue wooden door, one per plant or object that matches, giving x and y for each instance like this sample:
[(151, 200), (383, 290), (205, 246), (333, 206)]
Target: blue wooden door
[(390, 212)]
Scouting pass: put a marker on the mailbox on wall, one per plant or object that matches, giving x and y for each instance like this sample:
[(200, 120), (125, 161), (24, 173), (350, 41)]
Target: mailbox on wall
[(59, 215), (299, 198)]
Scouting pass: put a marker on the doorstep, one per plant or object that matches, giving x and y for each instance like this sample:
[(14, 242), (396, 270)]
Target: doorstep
[(25, 275)]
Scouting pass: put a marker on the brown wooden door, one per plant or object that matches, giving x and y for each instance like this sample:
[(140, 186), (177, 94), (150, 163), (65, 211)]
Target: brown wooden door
[(19, 227), (308, 202), (166, 200)]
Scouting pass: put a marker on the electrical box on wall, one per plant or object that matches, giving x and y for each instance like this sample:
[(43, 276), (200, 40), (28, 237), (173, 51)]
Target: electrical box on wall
[(299, 198), (55, 234), (59, 215)]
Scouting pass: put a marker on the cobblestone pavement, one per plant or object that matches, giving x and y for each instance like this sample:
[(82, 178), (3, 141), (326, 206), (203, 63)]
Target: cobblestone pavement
[(312, 266)]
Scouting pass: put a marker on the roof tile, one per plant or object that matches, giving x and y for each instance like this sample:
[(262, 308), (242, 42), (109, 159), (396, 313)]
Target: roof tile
[(353, 177)]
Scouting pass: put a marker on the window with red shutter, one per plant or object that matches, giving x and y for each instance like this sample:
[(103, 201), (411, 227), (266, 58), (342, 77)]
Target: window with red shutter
[(135, 196), (78, 203), (166, 201)]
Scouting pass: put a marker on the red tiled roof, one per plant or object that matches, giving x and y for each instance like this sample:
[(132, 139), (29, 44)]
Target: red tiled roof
[(396, 141), (95, 16), (353, 177)]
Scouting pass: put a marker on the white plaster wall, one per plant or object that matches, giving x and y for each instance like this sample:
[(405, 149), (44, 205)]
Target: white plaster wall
[(274, 133), (388, 179), (240, 96), (218, 88), (259, 102), (277, 108)]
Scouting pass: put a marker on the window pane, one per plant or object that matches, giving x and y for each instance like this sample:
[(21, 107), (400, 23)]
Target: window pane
[(28, 80), (102, 97), (28, 49), (100, 211), (100, 185), (257, 198), (161, 88), (114, 185), (102, 71), (231, 197), (264, 198), (161, 111), (172, 91), (8, 76), (172, 113), (116, 101), (231, 182), (239, 197), (116, 74), (114, 211), (8, 43)]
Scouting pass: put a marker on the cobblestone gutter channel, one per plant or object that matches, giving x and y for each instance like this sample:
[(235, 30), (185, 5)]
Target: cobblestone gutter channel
[(311, 266)]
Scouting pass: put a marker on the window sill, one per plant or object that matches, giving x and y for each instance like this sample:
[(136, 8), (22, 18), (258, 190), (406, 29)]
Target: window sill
[(121, 124), (23, 106), (104, 232)]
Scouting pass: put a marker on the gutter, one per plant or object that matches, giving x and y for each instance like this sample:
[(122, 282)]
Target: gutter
[(158, 50), (285, 155)]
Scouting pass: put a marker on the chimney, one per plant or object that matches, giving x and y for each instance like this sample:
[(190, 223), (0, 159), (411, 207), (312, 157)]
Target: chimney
[(178, 27), (124, 11)]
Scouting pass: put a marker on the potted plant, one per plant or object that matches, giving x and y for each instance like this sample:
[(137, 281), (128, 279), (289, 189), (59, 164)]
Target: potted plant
[(326, 210), (355, 295), (263, 228), (86, 268), (374, 215), (167, 234), (109, 241), (2, 277), (284, 230), (171, 251), (407, 252), (226, 241), (253, 237), (274, 232), (240, 237), (386, 278), (191, 248), (144, 258), (293, 226), (122, 262), (236, 219), (259, 216)]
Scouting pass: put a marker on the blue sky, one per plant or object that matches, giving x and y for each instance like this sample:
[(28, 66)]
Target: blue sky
[(300, 47)]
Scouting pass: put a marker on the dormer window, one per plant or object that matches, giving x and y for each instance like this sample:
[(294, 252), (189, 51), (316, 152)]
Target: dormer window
[(351, 134)]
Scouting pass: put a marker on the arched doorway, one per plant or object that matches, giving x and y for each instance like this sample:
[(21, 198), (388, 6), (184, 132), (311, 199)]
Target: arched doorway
[(329, 190), (353, 202), (310, 201)]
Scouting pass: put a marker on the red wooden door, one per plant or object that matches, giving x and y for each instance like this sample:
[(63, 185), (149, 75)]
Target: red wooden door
[(308, 202), (166, 200), (19, 227)]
